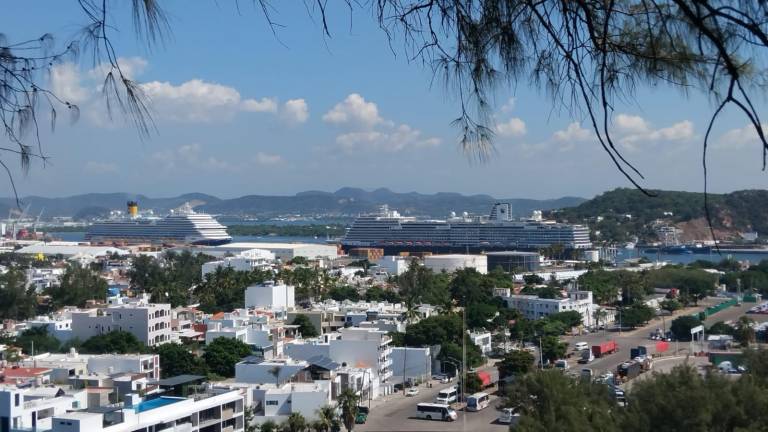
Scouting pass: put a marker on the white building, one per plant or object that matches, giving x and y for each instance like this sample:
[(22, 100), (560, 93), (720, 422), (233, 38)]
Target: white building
[(246, 261), (34, 408), (533, 307), (221, 412), (350, 347), (394, 265), (482, 340), (452, 262), (44, 278), (58, 327), (270, 295), (283, 251), (276, 371), (69, 249), (149, 322), (276, 403), (417, 363)]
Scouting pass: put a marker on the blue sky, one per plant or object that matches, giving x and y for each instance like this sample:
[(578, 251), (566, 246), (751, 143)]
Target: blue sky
[(240, 112)]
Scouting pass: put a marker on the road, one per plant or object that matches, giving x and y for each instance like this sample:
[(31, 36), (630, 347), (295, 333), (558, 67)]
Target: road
[(396, 413)]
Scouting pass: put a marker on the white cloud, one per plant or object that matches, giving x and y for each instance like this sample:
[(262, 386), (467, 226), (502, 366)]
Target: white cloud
[(514, 127), (739, 137), (200, 101), (263, 105), (95, 167), (132, 67), (66, 84), (394, 140), (262, 158), (354, 111), (295, 111), (574, 132), (632, 131), (509, 105)]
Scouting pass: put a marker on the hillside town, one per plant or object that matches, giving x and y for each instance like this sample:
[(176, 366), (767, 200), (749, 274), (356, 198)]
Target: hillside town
[(238, 336)]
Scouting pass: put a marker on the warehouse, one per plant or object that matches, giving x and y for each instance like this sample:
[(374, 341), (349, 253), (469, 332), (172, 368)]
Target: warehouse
[(514, 261), (283, 251), (452, 262)]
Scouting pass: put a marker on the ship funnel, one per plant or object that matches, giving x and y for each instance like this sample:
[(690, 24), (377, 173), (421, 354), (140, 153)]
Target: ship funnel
[(133, 209), (501, 212)]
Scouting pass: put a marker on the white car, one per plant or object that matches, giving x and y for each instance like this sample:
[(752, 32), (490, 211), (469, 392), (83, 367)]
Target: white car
[(413, 391), (508, 416)]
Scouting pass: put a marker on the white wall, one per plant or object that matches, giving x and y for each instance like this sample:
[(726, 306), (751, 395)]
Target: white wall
[(277, 296)]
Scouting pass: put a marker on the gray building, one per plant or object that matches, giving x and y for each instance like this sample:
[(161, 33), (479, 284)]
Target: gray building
[(514, 261)]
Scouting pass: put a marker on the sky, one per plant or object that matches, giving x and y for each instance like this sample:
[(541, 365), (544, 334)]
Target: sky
[(240, 111)]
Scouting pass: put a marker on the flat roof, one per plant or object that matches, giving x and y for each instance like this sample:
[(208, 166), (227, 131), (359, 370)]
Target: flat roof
[(512, 253), (178, 380), (255, 245)]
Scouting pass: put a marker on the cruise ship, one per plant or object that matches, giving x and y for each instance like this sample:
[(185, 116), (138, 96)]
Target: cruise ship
[(498, 231), (182, 226)]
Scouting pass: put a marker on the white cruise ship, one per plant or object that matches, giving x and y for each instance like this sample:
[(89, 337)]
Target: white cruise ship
[(182, 226), (498, 231)]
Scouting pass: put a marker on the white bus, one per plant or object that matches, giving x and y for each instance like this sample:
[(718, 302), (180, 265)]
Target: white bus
[(447, 395), (478, 401), (432, 411)]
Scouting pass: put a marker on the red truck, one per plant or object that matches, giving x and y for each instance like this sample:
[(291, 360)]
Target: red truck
[(604, 348)]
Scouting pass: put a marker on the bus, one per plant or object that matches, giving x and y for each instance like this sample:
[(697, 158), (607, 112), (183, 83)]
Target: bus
[(447, 395), (432, 411), (478, 401)]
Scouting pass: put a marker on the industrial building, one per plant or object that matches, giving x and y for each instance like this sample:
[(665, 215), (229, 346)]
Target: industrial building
[(452, 262), (70, 249), (514, 261), (282, 251)]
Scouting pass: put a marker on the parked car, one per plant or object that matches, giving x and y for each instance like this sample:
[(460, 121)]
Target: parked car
[(442, 378), (508, 416), (413, 391)]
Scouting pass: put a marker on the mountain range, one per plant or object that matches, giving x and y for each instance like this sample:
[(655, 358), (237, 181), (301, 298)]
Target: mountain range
[(345, 202)]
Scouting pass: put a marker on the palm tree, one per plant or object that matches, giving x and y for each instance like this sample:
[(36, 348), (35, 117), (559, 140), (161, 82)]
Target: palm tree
[(295, 423), (348, 401), (745, 333), (268, 426), (598, 315), (326, 418)]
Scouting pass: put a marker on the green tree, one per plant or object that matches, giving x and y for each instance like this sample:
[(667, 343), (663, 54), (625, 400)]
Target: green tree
[(306, 328), (344, 292), (176, 360), (39, 339), (745, 331), (119, 342), (515, 363), (224, 288), (681, 327), (569, 318), (636, 315), (347, 401), (473, 384), (17, 302), (269, 426), (294, 423), (327, 419), (720, 328), (223, 353), (377, 293), (553, 401), (469, 287), (670, 305), (78, 285), (552, 348)]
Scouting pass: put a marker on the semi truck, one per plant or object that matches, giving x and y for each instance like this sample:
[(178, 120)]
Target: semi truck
[(628, 370), (651, 349), (604, 348)]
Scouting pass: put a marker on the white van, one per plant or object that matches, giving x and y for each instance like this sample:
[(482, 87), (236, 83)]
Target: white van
[(447, 395), (431, 411), (581, 346), (478, 401), (509, 416)]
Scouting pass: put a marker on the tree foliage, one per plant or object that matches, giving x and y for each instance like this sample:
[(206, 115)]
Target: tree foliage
[(681, 327), (17, 301), (306, 328), (39, 339), (78, 285), (119, 342), (515, 363), (224, 288), (176, 359), (223, 353)]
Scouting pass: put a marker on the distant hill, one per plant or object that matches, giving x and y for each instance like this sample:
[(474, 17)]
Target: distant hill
[(345, 202), (739, 211)]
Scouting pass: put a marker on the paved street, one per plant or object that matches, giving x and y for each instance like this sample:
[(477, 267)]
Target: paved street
[(396, 413)]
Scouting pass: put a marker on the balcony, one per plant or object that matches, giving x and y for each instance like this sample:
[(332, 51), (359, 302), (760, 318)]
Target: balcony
[(227, 414)]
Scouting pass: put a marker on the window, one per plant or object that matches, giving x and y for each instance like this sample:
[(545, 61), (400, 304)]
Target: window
[(16, 399), (272, 402)]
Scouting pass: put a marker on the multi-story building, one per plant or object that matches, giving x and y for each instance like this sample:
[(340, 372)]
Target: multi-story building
[(533, 307), (277, 402), (149, 322), (452, 262), (218, 412), (352, 347), (33, 408), (270, 295), (482, 340), (59, 327), (248, 260), (65, 366)]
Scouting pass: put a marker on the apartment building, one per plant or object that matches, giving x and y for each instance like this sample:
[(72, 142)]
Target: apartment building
[(33, 408), (248, 260), (277, 402), (270, 295), (149, 322), (205, 412), (533, 307)]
